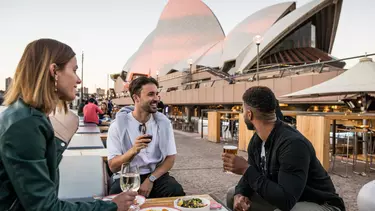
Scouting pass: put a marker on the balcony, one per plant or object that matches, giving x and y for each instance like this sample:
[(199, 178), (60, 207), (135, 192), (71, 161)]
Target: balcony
[(221, 92)]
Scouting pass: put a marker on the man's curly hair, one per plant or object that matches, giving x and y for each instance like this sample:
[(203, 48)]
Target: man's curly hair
[(262, 100)]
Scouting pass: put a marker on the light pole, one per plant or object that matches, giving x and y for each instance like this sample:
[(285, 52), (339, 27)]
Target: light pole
[(157, 75), (190, 62), (257, 39), (107, 85), (82, 78)]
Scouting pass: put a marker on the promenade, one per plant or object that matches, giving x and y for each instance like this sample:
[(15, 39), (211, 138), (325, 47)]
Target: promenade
[(198, 168)]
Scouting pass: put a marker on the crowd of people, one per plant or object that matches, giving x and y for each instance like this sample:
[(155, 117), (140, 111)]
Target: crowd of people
[(281, 172)]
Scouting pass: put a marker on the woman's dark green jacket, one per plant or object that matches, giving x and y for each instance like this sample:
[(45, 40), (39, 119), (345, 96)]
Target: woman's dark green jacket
[(29, 158)]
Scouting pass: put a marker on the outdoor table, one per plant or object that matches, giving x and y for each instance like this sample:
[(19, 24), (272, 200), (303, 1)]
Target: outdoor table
[(88, 130), (103, 153), (72, 153), (103, 128), (86, 141), (105, 123), (81, 178), (169, 202), (103, 137), (84, 124)]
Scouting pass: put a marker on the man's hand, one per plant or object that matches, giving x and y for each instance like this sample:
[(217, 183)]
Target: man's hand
[(141, 142), (124, 200), (241, 203), (235, 164), (146, 188)]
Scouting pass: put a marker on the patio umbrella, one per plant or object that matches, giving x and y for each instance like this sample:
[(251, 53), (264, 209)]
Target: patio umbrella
[(360, 79)]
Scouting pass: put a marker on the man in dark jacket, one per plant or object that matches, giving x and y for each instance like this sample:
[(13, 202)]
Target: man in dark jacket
[(282, 171), (160, 106)]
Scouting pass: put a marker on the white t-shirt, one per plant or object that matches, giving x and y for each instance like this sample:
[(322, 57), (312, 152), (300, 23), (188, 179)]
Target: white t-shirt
[(151, 155), (146, 160), (263, 156)]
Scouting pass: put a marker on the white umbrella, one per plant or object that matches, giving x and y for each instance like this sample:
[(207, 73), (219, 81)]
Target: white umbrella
[(360, 79)]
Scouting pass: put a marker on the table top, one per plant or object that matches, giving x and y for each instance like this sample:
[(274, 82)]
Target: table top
[(81, 152), (101, 152), (82, 124), (81, 178), (168, 202), (86, 141), (88, 130)]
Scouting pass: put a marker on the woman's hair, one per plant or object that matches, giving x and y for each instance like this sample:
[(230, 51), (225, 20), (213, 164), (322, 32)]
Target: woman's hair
[(32, 80), (106, 107)]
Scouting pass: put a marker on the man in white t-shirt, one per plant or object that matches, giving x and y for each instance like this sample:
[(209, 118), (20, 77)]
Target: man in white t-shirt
[(144, 137)]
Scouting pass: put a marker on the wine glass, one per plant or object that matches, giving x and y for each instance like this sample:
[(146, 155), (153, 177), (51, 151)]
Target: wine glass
[(143, 131), (130, 180)]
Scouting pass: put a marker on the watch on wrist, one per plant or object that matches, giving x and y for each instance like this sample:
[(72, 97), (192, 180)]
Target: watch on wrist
[(152, 178)]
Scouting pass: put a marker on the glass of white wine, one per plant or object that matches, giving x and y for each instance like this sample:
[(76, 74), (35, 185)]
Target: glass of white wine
[(130, 180)]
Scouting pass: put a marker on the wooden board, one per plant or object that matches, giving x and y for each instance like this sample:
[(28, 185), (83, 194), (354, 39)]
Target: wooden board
[(244, 135), (350, 116), (103, 136), (316, 129), (214, 126), (107, 123), (103, 128)]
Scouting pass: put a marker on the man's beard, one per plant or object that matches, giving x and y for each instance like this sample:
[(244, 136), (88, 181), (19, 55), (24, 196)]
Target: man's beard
[(249, 125), (147, 108)]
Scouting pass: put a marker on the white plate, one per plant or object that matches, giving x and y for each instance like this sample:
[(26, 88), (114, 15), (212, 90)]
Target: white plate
[(140, 199), (204, 200), (159, 209)]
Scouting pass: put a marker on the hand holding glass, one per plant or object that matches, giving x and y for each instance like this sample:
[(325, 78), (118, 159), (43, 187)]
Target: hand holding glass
[(130, 180)]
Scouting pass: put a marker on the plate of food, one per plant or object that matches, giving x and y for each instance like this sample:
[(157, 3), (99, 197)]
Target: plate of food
[(192, 203), (139, 200), (159, 209)]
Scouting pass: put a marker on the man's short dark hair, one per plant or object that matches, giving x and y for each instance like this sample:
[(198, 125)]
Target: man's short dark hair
[(136, 85), (92, 100), (262, 99)]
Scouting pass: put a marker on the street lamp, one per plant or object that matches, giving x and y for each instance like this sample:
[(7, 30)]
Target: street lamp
[(190, 62), (82, 78), (257, 40)]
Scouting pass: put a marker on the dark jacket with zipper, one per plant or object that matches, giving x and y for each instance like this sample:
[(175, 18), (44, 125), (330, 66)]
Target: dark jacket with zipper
[(291, 173), (29, 159)]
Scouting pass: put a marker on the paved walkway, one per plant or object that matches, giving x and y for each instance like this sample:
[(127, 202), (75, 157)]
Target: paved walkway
[(199, 167)]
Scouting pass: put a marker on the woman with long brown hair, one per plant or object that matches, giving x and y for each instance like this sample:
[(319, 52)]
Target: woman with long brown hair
[(45, 79)]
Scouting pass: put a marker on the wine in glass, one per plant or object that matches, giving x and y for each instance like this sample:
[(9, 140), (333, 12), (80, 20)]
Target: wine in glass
[(130, 180)]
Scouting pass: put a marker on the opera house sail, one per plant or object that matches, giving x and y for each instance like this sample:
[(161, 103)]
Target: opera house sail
[(198, 65)]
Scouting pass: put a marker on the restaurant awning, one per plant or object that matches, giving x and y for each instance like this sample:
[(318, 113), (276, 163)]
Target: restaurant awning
[(358, 79)]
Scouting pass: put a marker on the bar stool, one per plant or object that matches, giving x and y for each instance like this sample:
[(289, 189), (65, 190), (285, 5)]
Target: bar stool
[(372, 149), (367, 146), (345, 147)]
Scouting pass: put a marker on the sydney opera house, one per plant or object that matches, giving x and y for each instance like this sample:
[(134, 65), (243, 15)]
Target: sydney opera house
[(282, 46)]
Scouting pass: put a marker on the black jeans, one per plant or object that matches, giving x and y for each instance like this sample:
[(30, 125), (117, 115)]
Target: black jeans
[(165, 186)]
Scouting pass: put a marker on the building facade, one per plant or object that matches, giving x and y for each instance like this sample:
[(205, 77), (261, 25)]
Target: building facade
[(8, 81)]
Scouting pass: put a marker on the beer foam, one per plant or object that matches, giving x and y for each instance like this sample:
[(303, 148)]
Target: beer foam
[(230, 147)]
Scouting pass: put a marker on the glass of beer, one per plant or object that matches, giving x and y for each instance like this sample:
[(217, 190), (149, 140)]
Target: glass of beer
[(230, 149)]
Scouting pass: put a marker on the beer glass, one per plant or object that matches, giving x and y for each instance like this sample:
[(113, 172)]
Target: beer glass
[(230, 149)]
